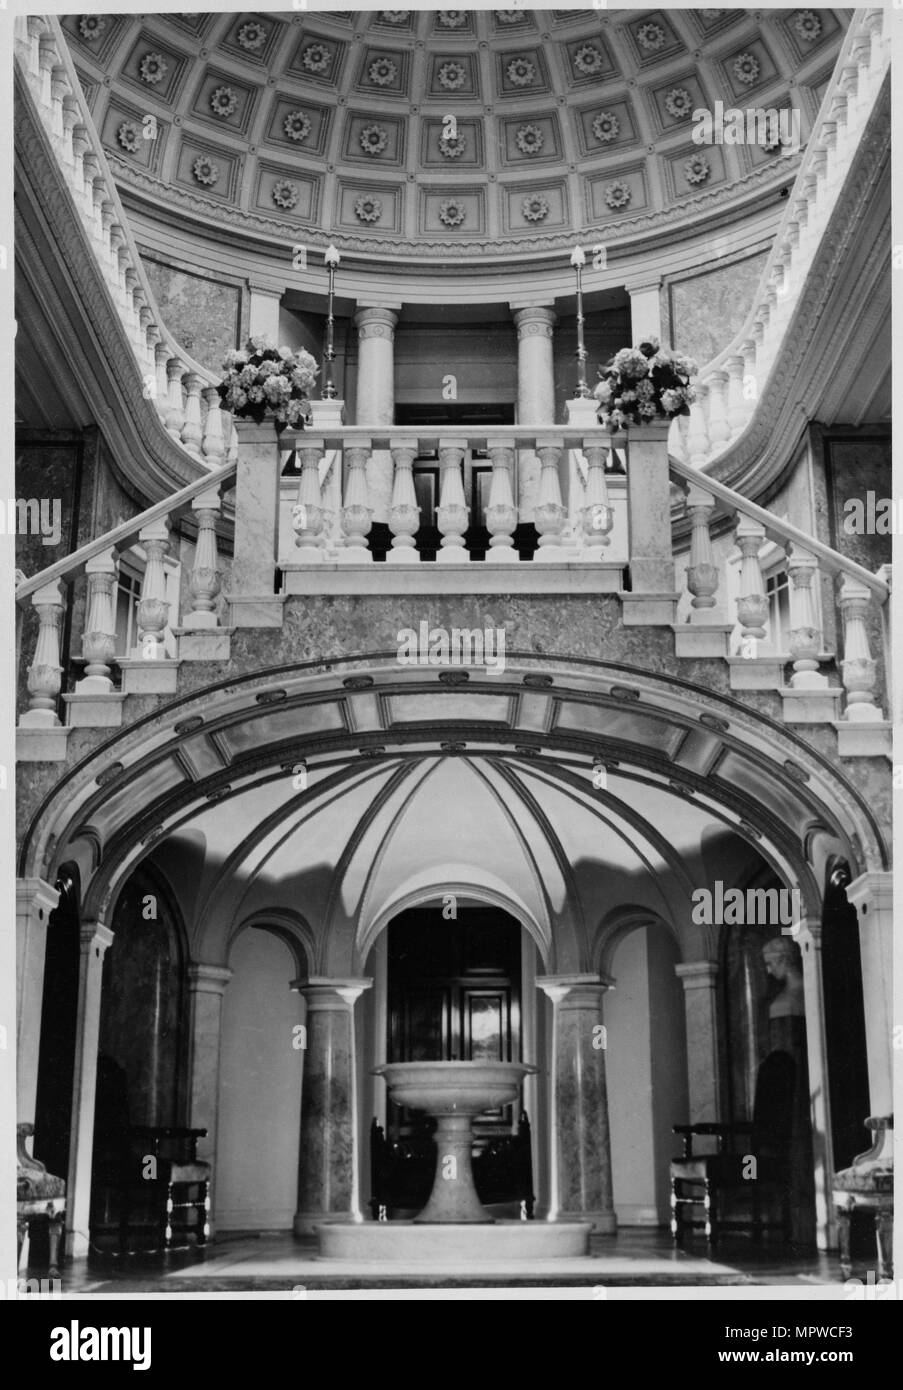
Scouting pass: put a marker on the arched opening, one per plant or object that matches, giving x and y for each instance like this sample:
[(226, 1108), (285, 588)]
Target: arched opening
[(646, 1059), (261, 1073)]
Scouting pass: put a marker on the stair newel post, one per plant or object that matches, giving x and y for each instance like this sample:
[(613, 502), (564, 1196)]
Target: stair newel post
[(597, 513), (357, 514), (452, 513), (702, 572), (752, 603), (404, 513), (805, 633), (307, 513), (652, 595), (501, 512), (859, 671)]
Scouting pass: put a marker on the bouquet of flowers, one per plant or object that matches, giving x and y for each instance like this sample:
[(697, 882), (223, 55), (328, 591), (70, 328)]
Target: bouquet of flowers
[(644, 383), (264, 378)]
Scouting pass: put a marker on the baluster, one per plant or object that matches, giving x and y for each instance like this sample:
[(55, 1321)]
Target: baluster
[(452, 512), (805, 634), (48, 57), (161, 399), (153, 609), (736, 414), (205, 580), (719, 429), (213, 445), (597, 514), (698, 434), (357, 516), (81, 146), (332, 538), (45, 673), (59, 86), (404, 513), (148, 343), (95, 199), (683, 436), (501, 511), (191, 433), (231, 439), (36, 26), (132, 324), (175, 410), (307, 514), (858, 668), (99, 636), (702, 572), (71, 117), (752, 603), (549, 512)]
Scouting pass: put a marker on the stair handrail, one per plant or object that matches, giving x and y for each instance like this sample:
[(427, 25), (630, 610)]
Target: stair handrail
[(126, 533), (833, 561)]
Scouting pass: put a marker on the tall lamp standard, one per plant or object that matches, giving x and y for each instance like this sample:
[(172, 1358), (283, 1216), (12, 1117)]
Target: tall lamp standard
[(578, 261), (331, 258)]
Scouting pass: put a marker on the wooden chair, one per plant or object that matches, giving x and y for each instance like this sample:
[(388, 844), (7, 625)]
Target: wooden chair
[(756, 1168), (40, 1196), (867, 1187), (161, 1187)]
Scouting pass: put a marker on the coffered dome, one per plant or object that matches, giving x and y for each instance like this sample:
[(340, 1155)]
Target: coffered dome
[(447, 133)]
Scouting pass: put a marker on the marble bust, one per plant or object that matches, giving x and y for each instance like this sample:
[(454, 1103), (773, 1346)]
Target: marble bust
[(782, 962)]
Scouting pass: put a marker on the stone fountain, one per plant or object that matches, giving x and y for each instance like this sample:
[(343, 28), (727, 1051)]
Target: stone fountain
[(454, 1226)]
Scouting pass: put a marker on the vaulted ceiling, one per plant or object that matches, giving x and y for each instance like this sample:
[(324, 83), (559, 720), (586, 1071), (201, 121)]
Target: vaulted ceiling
[(461, 130)]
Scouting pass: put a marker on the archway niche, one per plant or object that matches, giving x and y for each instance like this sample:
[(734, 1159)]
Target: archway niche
[(261, 1077), (646, 1062)]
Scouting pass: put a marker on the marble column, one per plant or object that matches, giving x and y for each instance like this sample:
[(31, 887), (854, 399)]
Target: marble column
[(700, 981), (251, 597), (535, 393), (35, 900), (206, 988), (328, 1155), (375, 403), (645, 310), (809, 941), (581, 1146), (95, 939), (872, 896)]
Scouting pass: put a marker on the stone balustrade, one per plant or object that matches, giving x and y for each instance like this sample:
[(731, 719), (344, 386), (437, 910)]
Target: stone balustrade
[(730, 386), (180, 388)]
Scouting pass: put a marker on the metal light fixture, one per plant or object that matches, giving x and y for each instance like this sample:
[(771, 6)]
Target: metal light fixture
[(331, 259), (578, 261)]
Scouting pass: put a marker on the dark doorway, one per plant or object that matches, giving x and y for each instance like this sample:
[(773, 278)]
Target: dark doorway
[(59, 1009), (844, 1021), (454, 993)]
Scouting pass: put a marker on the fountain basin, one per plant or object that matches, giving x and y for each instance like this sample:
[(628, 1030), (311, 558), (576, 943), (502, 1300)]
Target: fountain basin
[(453, 1093)]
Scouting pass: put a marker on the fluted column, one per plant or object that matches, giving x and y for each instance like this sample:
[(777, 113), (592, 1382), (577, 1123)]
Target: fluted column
[(206, 987), (535, 394), (357, 514), (501, 512), (307, 513), (452, 512), (375, 405), (328, 1155), (581, 1145), (700, 982), (404, 514), (35, 900), (95, 939)]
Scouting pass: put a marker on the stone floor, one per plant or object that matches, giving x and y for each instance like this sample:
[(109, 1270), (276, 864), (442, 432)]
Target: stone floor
[(276, 1261)]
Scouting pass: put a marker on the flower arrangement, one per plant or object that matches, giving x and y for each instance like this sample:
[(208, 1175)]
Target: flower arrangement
[(644, 383), (261, 378)]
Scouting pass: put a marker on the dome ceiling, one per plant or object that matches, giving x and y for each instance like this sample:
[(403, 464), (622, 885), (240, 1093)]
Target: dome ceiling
[(339, 125)]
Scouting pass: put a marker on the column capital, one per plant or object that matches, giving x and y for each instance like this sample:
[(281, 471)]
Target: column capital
[(275, 289), (534, 320), (323, 993), (648, 282), (583, 989), (697, 974), (34, 893), (208, 979), (94, 936), (376, 322), (874, 888)]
